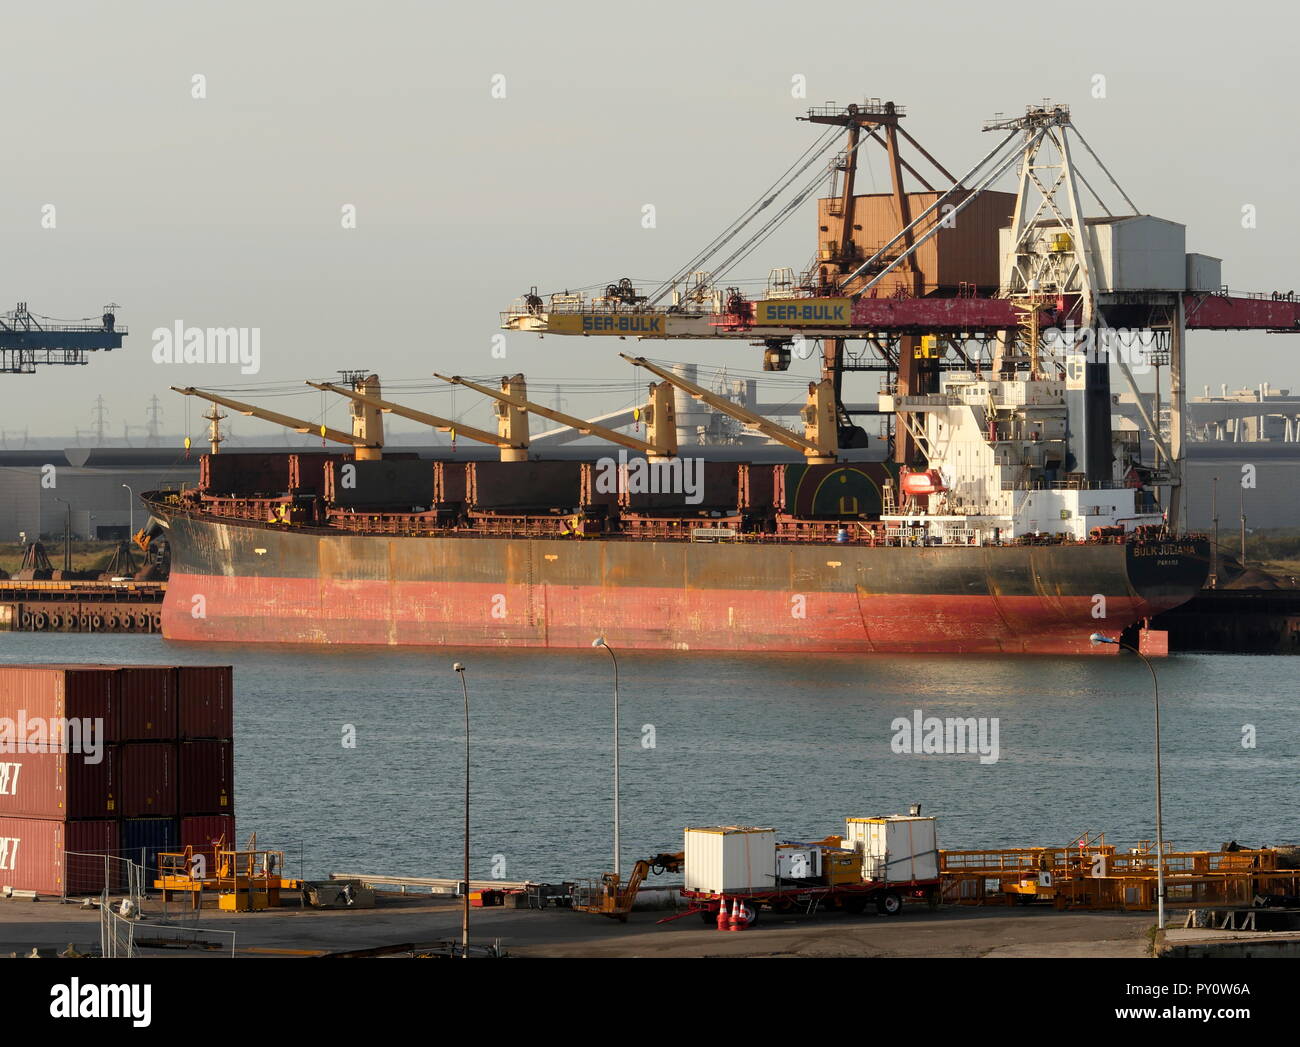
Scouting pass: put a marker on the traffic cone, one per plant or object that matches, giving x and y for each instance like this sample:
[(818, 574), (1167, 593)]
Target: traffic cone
[(737, 919), (723, 918)]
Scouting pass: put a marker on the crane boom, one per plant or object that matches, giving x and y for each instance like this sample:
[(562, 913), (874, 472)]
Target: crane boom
[(387, 406), (288, 421), (659, 448), (821, 448)]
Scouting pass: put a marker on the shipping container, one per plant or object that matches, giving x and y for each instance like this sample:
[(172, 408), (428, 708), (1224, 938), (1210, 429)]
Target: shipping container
[(207, 777), (146, 703), (730, 858), (45, 856), (242, 475), (205, 833), (896, 848), (56, 785), (32, 694), (143, 838), (205, 701), (394, 485), (146, 779), (520, 485)]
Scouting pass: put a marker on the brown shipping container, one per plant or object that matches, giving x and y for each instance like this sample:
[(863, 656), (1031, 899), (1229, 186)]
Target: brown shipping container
[(57, 785), (524, 485), (146, 773), (244, 474), (205, 697), (41, 855), (146, 706), (45, 692), (203, 832), (207, 777), (449, 483)]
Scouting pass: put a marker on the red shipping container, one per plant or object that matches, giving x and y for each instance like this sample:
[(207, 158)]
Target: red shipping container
[(207, 777), (45, 692), (205, 695), (146, 704), (58, 785), (146, 778), (206, 832), (44, 856)]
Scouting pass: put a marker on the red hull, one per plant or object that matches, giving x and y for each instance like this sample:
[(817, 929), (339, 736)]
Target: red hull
[(302, 610)]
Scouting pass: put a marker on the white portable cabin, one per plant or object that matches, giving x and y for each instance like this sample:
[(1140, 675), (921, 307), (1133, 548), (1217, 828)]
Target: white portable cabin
[(895, 848), (726, 858)]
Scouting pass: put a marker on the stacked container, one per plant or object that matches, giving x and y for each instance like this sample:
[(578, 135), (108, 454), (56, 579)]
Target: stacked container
[(154, 774)]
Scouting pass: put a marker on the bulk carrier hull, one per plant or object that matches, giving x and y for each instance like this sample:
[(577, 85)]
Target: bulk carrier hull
[(244, 582)]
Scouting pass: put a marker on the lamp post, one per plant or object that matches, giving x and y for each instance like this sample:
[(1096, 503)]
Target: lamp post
[(67, 535), (459, 669), (599, 641), (1098, 638), (130, 508)]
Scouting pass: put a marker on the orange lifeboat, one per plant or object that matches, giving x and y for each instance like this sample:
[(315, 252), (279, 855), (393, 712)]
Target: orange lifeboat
[(922, 483)]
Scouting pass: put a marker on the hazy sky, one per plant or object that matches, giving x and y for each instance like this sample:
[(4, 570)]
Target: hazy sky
[(226, 210)]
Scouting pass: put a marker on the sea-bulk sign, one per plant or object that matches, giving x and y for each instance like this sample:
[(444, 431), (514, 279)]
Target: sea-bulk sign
[(640, 325), (803, 312)]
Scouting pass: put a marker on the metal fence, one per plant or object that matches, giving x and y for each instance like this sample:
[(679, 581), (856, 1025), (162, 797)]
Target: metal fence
[(116, 932), (87, 873)]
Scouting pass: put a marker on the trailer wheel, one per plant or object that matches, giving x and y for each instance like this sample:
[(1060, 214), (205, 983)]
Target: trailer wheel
[(889, 904)]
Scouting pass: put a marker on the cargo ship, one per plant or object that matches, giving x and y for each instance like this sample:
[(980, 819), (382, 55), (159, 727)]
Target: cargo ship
[(971, 555), (1000, 513)]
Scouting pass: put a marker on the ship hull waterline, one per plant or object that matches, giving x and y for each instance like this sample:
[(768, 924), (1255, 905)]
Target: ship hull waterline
[(238, 581)]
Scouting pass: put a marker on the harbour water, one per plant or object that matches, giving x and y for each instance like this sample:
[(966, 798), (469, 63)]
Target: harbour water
[(794, 742)]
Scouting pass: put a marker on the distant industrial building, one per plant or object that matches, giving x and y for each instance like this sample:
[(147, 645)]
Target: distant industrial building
[(99, 486)]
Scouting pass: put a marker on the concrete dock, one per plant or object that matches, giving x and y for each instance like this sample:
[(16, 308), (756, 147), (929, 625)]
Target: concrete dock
[(294, 932)]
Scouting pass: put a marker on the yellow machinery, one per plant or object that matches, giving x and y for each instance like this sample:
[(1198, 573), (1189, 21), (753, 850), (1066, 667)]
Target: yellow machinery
[(614, 899), (1090, 874), (244, 881)]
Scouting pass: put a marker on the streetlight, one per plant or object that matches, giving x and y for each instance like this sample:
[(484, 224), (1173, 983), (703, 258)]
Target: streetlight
[(130, 509), (67, 536), (464, 925), (1098, 638), (599, 641)]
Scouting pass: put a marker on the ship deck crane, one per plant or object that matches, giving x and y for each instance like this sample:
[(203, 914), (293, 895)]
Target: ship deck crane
[(661, 422), (369, 446), (506, 444), (819, 443)]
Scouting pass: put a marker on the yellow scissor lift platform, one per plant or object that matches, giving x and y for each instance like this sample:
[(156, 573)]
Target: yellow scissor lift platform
[(246, 880)]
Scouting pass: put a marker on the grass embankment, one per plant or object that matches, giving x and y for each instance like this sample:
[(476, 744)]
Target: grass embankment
[(86, 556)]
